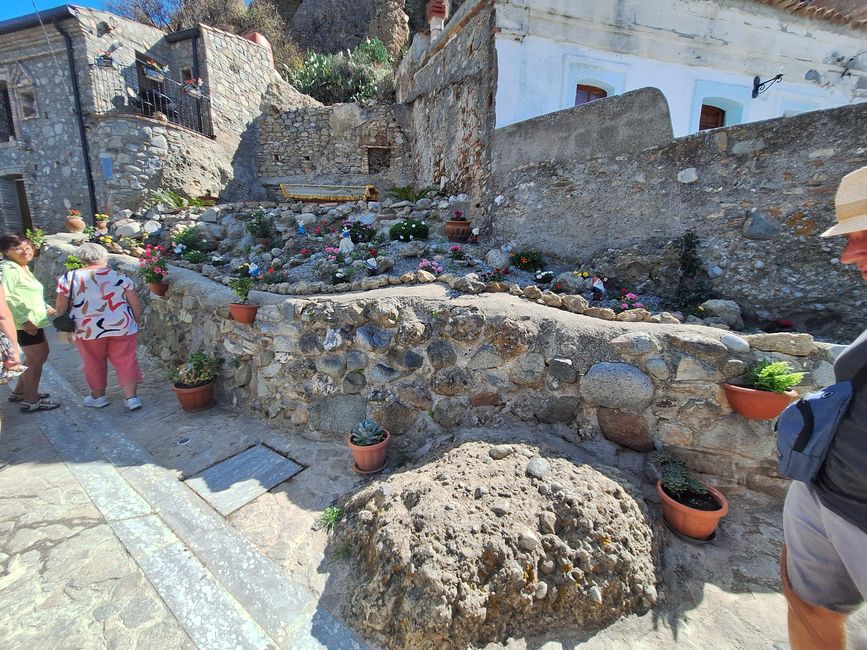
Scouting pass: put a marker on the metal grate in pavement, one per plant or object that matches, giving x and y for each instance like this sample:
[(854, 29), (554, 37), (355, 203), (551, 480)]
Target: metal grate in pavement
[(234, 482)]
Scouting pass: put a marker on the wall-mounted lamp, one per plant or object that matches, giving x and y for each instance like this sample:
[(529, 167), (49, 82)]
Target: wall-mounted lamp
[(760, 86)]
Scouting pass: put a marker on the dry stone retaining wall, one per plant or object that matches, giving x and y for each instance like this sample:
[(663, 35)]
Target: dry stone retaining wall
[(757, 195), (423, 363)]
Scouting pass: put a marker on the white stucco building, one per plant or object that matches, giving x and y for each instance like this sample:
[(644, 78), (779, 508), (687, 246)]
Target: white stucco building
[(702, 54)]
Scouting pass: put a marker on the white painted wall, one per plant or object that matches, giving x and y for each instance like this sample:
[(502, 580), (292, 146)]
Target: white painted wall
[(691, 50)]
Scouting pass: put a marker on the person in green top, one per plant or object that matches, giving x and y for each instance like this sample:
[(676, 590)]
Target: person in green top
[(26, 299)]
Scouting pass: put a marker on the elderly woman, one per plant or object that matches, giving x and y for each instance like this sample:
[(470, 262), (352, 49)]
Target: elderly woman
[(106, 310), (25, 297), (824, 563)]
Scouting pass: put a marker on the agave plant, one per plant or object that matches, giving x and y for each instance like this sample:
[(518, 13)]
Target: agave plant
[(367, 433)]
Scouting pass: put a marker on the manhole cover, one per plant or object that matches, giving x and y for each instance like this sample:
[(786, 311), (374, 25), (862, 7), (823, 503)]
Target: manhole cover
[(236, 481)]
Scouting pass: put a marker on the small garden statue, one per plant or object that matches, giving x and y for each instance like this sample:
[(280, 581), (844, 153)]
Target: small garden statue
[(597, 286), (346, 245)]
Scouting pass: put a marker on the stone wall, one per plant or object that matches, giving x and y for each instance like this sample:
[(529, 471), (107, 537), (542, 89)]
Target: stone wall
[(344, 144), (423, 363), (147, 154), (450, 88), (757, 195), (47, 151), (626, 123)]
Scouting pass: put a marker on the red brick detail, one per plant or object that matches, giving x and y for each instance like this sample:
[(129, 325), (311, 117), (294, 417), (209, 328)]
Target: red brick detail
[(486, 399)]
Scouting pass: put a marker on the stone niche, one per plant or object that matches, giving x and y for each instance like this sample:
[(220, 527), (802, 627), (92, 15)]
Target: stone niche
[(425, 364)]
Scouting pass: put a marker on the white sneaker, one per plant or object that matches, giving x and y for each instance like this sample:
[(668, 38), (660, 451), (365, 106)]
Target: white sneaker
[(133, 403), (96, 402)]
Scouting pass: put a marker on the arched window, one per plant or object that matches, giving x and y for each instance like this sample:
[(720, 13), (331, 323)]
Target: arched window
[(584, 94)]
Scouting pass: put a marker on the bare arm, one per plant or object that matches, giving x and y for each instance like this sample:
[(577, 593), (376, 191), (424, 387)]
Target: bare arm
[(134, 303), (7, 326), (61, 303)]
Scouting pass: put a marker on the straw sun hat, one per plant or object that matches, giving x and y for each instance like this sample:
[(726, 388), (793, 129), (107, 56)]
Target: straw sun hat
[(851, 204)]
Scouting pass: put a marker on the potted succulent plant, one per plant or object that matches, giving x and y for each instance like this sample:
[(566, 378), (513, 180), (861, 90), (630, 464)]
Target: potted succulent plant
[(193, 381), (766, 390), (458, 228), (689, 507), (74, 222), (242, 312), (369, 445)]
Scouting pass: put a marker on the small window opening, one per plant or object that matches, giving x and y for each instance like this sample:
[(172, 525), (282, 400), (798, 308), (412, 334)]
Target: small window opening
[(585, 94), (378, 159), (27, 101), (7, 127), (186, 74), (712, 117)]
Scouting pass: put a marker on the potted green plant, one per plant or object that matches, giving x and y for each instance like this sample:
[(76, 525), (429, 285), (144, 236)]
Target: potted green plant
[(458, 228), (765, 390), (369, 445), (689, 507), (242, 312), (194, 380)]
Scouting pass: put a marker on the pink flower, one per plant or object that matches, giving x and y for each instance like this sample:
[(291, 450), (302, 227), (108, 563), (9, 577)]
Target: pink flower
[(623, 305), (638, 305), (631, 296)]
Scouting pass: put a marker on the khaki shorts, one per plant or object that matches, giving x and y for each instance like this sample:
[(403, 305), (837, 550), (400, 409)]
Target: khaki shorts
[(827, 555)]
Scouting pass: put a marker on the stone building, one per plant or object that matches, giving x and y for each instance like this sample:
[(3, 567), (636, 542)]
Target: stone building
[(95, 112)]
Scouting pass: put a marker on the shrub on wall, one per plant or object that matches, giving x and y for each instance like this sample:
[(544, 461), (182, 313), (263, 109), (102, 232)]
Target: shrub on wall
[(352, 76)]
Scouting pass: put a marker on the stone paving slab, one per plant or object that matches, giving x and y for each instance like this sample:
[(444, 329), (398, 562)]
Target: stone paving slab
[(66, 581), (234, 482), (288, 613)]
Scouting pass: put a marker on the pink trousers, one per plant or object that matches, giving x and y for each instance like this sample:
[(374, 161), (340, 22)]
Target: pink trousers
[(120, 351)]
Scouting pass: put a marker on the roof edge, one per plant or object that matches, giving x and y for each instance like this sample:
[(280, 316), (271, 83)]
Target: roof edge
[(32, 20)]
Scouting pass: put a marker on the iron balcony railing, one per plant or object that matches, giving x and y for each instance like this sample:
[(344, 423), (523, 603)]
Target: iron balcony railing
[(119, 90)]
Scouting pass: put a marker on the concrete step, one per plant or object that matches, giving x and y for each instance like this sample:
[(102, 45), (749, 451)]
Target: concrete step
[(220, 586)]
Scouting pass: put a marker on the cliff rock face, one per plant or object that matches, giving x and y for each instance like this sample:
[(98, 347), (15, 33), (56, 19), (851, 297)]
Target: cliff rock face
[(335, 25), (486, 542)]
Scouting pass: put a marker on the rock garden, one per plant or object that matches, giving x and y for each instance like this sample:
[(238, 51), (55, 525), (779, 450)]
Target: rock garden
[(303, 248)]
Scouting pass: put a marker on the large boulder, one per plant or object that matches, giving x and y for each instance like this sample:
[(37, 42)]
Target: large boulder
[(483, 543), (337, 25)]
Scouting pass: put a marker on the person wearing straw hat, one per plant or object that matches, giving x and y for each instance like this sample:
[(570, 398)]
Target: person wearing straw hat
[(824, 560)]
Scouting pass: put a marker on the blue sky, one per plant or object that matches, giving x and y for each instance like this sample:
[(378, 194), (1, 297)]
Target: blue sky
[(15, 8)]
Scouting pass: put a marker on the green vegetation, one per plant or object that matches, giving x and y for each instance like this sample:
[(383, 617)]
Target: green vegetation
[(190, 239), (198, 370), (361, 233), (409, 193), (527, 261), (362, 73), (194, 257), (676, 477), (241, 286), (692, 288), (260, 225), (72, 262), (367, 433), (36, 236), (330, 518), (773, 376), (409, 230)]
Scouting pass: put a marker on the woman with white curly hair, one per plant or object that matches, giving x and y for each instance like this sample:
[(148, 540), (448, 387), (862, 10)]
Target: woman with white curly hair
[(106, 311)]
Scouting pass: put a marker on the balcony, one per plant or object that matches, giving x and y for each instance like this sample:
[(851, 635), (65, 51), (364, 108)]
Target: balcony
[(130, 91)]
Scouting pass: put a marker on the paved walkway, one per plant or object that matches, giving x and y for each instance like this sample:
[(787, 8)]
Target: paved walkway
[(102, 546)]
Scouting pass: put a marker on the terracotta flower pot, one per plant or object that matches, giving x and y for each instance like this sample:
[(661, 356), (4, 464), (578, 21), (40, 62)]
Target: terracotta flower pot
[(158, 288), (691, 522), (757, 404), (196, 398), (458, 230), (243, 312), (75, 224), (370, 458)]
